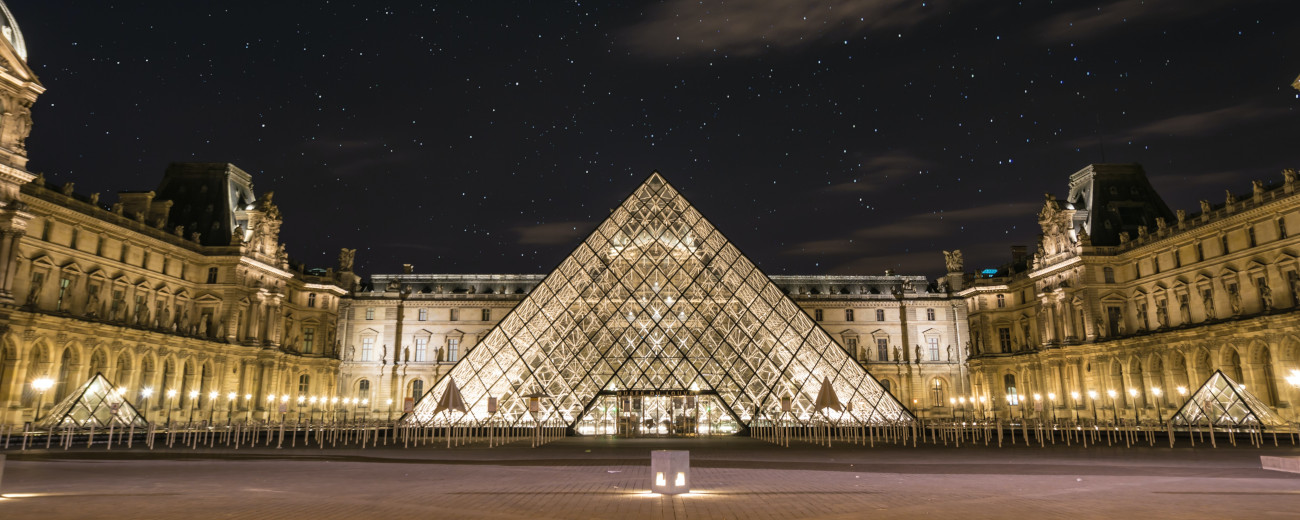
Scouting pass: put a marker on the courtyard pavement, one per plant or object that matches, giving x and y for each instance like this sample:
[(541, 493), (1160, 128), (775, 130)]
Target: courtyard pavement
[(609, 478)]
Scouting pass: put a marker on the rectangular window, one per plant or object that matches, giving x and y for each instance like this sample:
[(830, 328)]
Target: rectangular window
[(882, 349), (1250, 235), (77, 232), (63, 291), (453, 315), (817, 314), (125, 249), (1002, 301), (1004, 338), (367, 348), (1137, 270), (1155, 264), (1223, 244), (144, 259), (45, 230), (304, 384), (212, 274), (1281, 228), (417, 389), (933, 343), (486, 315), (1178, 258), (453, 345), (308, 339), (880, 314), (370, 313), (848, 314), (311, 299), (99, 246), (421, 349), (422, 315), (1200, 252), (852, 344), (929, 313)]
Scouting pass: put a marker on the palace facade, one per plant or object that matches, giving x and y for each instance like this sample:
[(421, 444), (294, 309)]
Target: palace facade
[(185, 297), (1127, 305)]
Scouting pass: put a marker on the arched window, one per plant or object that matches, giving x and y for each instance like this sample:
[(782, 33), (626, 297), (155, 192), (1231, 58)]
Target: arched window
[(311, 300), (363, 389), (1009, 386), (1002, 301), (304, 384), (417, 389), (884, 383), (936, 391)]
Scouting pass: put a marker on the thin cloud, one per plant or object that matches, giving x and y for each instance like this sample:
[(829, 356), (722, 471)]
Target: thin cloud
[(923, 225), (554, 233), (1199, 124), (877, 170), (1098, 22), (751, 27)]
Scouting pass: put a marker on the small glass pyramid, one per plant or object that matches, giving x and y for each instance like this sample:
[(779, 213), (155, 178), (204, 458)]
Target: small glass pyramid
[(1224, 403), (657, 302), (95, 403)]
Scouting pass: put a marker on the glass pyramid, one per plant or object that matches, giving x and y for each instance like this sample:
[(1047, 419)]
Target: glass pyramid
[(656, 301), (1224, 403), (96, 402)]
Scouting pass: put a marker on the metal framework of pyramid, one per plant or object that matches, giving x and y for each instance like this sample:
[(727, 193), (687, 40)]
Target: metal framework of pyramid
[(657, 300), (1222, 402), (95, 403)]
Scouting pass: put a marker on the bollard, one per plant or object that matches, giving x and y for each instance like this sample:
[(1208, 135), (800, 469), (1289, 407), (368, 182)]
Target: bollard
[(670, 472)]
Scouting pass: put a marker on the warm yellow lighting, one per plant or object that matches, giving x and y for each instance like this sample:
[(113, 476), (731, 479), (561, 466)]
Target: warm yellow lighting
[(232, 396), (1051, 396), (248, 397), (1092, 394), (284, 398), (213, 394), (42, 384), (659, 479), (171, 392), (334, 399), (390, 402), (961, 400), (146, 392), (952, 400), (1038, 397), (1074, 395), (681, 479), (1155, 390), (1182, 390), (1111, 393), (312, 400), (301, 399), (1294, 378), (194, 394), (121, 390), (270, 397), (1133, 392)]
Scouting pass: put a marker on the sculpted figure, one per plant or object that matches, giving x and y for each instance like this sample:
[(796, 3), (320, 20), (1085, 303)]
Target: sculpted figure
[(1207, 299), (1266, 297), (1234, 301), (918, 354), (898, 354)]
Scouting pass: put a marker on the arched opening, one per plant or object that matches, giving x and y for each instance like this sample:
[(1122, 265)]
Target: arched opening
[(1115, 391), (938, 392), (417, 389), (98, 365), (1268, 380), (64, 379), (1232, 365)]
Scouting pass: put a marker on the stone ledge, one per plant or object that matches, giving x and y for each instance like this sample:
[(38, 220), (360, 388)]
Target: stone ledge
[(1287, 464)]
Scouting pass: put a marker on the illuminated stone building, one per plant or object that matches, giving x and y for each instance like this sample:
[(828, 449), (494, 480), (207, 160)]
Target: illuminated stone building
[(1125, 295), (404, 332), (184, 288)]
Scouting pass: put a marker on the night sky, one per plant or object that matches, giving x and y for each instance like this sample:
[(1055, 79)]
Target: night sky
[(832, 137)]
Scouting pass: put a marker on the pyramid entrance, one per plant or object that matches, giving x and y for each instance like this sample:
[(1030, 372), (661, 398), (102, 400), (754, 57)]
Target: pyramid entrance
[(657, 325)]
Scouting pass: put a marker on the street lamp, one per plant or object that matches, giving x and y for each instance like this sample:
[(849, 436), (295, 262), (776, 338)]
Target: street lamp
[(962, 400), (171, 394), (952, 408), (301, 399), (41, 384), (1051, 400), (390, 409), (230, 406), (1114, 408), (1160, 415), (194, 399), (148, 391), (1074, 403), (248, 408), (212, 405), (983, 399), (1092, 394), (1133, 394), (1038, 406), (311, 412)]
